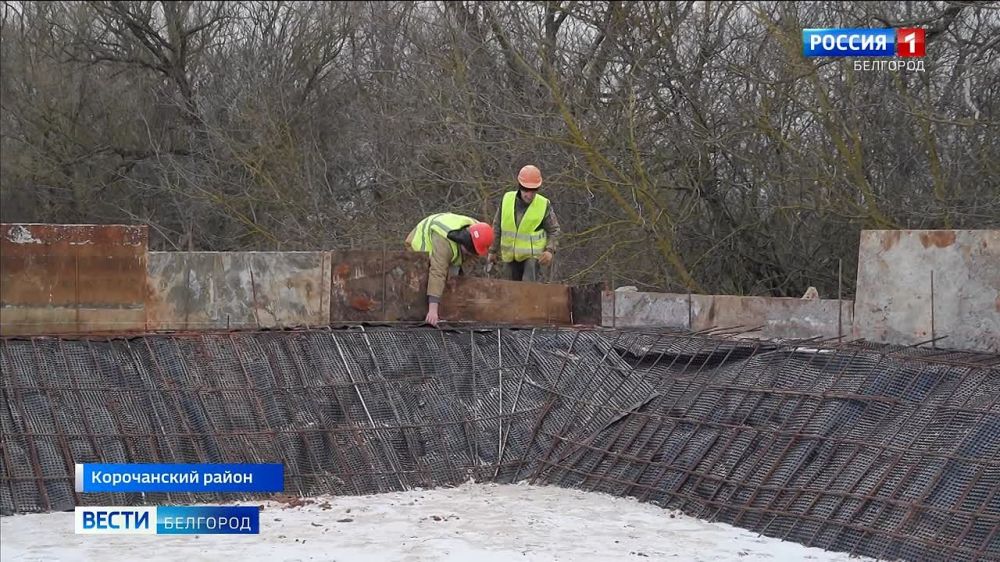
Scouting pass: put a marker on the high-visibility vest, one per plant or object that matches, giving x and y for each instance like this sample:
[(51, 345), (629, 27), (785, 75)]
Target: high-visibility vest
[(442, 223), (519, 242)]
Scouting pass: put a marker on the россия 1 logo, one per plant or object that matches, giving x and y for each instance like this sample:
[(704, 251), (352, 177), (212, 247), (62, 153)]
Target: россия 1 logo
[(862, 42)]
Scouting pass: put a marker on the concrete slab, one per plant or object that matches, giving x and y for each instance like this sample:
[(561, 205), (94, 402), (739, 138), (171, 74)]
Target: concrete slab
[(291, 288), (786, 318), (636, 309), (791, 318), (230, 290), (894, 288)]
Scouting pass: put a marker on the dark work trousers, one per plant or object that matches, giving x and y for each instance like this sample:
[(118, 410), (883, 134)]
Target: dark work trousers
[(526, 270)]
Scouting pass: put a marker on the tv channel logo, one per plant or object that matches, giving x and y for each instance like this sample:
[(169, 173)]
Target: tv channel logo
[(862, 42), (168, 520), (102, 520)]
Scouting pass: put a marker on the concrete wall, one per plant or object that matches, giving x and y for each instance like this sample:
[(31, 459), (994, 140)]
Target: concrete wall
[(222, 290), (770, 317), (894, 287)]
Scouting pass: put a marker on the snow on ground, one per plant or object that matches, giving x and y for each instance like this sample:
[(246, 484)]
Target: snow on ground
[(480, 522)]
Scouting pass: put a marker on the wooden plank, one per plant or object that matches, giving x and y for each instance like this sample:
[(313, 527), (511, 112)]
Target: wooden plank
[(496, 301)]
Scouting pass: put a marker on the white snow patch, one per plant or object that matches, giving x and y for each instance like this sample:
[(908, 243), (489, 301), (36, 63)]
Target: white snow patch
[(21, 235), (480, 522)]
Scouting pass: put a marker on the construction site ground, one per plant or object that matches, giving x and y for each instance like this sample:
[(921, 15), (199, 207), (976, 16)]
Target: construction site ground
[(482, 522)]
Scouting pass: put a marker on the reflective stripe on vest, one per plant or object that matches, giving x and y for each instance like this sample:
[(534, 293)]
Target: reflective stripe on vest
[(442, 223), (526, 240)]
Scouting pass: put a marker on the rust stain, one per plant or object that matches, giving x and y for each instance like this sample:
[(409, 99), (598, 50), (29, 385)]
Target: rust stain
[(342, 270), (153, 303), (362, 302), (939, 238), (889, 239)]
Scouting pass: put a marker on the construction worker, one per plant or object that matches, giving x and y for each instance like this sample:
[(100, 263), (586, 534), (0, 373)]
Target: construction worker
[(527, 226), (448, 238)]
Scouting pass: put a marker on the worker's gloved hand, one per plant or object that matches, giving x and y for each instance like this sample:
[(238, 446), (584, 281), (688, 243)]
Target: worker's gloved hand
[(545, 258), (491, 258)]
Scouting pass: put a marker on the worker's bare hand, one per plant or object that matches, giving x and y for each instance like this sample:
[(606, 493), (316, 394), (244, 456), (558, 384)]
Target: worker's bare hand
[(545, 258), (432, 318)]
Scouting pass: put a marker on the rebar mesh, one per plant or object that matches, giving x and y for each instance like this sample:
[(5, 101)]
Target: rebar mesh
[(888, 452)]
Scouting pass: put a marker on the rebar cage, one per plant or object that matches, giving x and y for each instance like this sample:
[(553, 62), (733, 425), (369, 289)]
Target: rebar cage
[(874, 450)]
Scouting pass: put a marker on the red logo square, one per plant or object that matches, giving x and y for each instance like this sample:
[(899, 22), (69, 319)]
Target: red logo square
[(910, 42)]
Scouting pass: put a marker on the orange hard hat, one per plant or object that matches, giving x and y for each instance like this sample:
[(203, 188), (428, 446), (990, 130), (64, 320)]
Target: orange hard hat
[(530, 177), (482, 237)]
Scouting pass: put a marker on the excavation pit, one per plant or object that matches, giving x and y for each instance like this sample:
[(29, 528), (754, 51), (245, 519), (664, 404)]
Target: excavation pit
[(877, 451)]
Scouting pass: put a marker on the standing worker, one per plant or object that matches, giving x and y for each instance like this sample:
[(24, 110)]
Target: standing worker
[(528, 228), (447, 238)]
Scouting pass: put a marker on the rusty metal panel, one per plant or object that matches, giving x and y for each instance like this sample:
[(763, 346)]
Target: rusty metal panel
[(59, 279), (375, 285), (498, 301), (894, 296), (362, 293), (232, 290)]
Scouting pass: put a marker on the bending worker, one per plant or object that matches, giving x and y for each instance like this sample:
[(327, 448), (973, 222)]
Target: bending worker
[(528, 228), (448, 239)]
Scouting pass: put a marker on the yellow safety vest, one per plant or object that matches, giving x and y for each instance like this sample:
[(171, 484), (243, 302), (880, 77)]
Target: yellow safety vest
[(442, 223), (519, 242)]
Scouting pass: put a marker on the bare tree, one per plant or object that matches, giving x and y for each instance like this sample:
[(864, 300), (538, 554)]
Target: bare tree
[(686, 145)]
